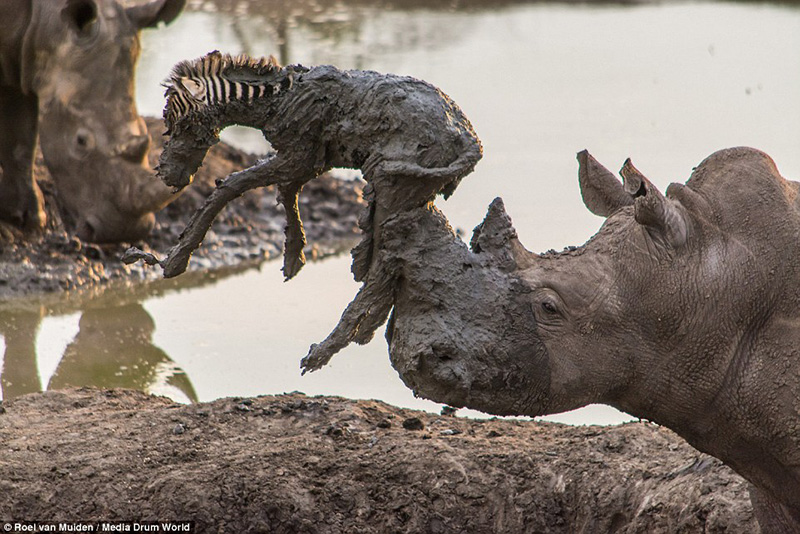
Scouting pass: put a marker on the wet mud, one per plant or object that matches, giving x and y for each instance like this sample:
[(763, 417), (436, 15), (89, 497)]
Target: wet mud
[(299, 464)]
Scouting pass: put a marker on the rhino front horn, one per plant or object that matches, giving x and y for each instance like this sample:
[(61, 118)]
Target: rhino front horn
[(497, 237)]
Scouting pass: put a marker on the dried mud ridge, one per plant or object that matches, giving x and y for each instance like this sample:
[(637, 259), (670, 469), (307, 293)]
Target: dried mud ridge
[(249, 231), (293, 463)]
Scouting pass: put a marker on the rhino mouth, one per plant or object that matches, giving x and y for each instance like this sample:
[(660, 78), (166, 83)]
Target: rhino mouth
[(436, 373), (86, 229), (111, 230), (474, 373)]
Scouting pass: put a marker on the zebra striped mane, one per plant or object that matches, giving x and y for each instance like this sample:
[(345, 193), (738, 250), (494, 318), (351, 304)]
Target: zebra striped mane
[(216, 78)]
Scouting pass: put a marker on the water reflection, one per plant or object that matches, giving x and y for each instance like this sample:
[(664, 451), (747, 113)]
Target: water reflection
[(114, 344), (112, 349), (20, 374)]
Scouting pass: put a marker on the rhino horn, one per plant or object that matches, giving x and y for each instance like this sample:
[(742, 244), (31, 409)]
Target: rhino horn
[(154, 12), (149, 194), (602, 193), (663, 218), (496, 237)]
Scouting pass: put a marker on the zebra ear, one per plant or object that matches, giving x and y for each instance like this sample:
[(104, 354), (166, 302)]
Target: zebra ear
[(194, 88)]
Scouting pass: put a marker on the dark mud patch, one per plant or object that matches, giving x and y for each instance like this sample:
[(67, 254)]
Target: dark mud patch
[(248, 232), (293, 463)]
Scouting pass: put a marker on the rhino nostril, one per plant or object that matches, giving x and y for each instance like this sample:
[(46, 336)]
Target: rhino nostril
[(443, 354)]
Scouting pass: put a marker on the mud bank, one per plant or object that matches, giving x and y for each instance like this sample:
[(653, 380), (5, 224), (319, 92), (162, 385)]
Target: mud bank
[(248, 232), (293, 463)]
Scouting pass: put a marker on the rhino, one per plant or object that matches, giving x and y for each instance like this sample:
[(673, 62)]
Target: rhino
[(66, 75), (683, 309)]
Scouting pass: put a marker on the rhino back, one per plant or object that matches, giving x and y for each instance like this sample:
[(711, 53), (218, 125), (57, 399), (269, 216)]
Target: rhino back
[(747, 193)]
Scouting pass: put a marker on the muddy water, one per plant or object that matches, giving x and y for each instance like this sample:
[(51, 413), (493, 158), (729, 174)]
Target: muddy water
[(665, 84)]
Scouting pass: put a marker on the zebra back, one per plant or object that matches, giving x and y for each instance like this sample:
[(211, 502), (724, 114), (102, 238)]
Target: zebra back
[(216, 79)]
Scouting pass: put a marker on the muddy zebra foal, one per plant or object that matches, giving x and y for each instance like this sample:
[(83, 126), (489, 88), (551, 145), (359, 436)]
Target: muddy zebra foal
[(409, 139)]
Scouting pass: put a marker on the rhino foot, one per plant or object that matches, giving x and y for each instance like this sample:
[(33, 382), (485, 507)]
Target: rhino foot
[(24, 210)]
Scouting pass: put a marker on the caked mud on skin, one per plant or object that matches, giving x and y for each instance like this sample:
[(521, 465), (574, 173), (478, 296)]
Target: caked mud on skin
[(683, 309), (409, 140)]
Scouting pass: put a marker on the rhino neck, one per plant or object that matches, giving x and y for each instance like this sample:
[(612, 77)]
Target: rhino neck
[(736, 405), (16, 17), (754, 445)]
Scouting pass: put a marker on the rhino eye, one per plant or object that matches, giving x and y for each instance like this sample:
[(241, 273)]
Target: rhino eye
[(548, 307), (84, 142)]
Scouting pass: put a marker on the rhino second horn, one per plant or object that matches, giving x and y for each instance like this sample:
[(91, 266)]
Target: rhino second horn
[(495, 231), (663, 218)]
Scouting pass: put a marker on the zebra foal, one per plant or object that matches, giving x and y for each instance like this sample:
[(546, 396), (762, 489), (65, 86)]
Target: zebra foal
[(409, 140)]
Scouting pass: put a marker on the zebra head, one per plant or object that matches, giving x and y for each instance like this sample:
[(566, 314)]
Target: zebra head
[(198, 94)]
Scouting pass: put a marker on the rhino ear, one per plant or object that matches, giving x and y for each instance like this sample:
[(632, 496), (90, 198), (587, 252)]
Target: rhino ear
[(601, 191), (664, 218), (153, 12), (81, 16)]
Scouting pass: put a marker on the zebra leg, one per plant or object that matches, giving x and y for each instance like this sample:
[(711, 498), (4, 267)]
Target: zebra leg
[(395, 186), (293, 257), (436, 179), (277, 170), (365, 314)]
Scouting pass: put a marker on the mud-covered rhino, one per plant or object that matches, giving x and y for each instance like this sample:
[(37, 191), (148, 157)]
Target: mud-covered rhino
[(67, 70), (683, 309)]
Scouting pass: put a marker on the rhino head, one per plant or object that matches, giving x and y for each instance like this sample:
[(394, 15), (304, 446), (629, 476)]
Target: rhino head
[(683, 309), (79, 58)]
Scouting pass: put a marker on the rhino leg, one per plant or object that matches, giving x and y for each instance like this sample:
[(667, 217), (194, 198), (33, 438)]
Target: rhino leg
[(21, 202), (20, 375)]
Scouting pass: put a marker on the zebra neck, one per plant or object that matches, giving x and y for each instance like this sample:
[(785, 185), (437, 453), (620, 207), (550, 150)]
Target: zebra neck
[(242, 100), (221, 90)]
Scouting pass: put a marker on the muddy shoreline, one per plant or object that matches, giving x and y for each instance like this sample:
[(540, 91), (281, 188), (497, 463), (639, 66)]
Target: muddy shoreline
[(292, 463)]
